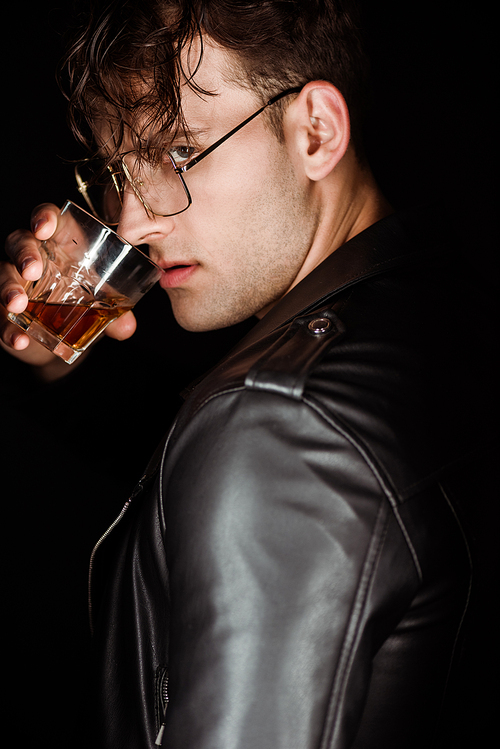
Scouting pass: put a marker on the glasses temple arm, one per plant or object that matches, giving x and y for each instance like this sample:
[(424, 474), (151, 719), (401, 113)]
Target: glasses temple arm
[(219, 142)]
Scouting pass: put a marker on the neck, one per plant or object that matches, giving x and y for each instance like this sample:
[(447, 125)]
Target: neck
[(360, 204), (349, 203)]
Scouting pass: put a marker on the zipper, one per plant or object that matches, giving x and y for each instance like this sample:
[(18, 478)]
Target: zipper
[(138, 489), (150, 471), (162, 674), (162, 697)]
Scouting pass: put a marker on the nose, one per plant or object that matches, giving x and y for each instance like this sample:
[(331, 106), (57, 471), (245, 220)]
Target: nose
[(137, 225)]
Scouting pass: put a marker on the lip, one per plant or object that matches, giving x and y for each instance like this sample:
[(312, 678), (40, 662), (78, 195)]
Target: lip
[(176, 275)]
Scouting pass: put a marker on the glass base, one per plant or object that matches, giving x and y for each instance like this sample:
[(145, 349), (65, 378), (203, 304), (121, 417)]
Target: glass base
[(39, 333)]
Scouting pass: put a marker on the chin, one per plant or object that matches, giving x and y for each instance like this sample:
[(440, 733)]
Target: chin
[(202, 320), (203, 326)]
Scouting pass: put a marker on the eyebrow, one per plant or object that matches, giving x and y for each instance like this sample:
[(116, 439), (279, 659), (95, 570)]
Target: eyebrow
[(190, 133)]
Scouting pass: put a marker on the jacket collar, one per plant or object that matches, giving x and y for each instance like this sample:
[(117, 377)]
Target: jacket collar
[(399, 240)]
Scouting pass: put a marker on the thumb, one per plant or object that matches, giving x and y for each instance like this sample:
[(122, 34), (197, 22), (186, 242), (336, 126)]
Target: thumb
[(122, 328)]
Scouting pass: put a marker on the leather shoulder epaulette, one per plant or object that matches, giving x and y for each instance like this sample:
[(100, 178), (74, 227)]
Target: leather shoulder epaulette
[(283, 368)]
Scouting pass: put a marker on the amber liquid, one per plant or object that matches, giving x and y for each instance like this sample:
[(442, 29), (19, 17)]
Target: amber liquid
[(75, 324)]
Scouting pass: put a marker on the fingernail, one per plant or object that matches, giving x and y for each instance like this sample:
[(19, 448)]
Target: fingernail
[(27, 262), (11, 296), (41, 221), (15, 338)]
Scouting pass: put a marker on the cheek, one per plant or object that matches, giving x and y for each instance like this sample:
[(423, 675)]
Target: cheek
[(232, 177), (244, 205), (252, 227)]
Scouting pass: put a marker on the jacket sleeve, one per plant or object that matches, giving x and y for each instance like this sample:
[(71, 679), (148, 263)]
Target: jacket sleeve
[(279, 539)]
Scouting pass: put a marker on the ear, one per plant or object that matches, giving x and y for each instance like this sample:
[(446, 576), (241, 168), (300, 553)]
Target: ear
[(321, 128)]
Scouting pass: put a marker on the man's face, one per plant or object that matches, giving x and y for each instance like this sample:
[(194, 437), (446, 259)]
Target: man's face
[(242, 243)]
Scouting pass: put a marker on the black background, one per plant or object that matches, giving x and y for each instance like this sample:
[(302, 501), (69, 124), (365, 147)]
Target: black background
[(71, 451)]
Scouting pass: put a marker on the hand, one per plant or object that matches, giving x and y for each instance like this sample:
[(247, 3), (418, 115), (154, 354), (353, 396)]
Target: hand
[(22, 247)]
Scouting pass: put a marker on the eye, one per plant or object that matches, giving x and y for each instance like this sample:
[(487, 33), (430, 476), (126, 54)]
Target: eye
[(181, 153)]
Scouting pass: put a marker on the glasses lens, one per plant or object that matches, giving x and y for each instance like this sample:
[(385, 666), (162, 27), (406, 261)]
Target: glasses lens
[(102, 187), (160, 188)]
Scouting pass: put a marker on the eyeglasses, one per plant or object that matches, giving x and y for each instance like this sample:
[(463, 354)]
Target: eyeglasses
[(159, 188)]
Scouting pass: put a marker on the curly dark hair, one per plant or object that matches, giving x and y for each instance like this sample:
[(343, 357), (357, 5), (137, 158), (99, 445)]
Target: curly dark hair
[(126, 64)]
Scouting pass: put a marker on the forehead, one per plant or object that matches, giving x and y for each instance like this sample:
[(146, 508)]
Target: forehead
[(219, 75), (211, 98)]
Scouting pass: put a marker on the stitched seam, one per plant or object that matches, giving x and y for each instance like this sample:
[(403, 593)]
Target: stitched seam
[(362, 449), (376, 469), (161, 508), (343, 303), (378, 266), (226, 391), (353, 630), (409, 544), (160, 503), (462, 532), (469, 590)]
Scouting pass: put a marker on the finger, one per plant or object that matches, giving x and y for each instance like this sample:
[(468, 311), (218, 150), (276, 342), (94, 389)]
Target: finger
[(23, 246), (12, 293), (122, 328), (12, 337), (19, 345), (23, 249), (18, 340), (44, 220)]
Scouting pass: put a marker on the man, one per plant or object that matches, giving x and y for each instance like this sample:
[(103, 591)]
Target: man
[(293, 569)]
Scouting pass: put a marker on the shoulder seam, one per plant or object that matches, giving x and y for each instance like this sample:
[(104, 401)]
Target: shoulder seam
[(377, 470)]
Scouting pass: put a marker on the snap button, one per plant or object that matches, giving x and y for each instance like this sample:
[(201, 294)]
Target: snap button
[(320, 325)]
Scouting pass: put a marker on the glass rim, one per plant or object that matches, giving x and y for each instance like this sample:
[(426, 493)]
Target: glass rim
[(71, 204)]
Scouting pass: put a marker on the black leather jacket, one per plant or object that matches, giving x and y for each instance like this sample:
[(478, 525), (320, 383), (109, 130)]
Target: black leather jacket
[(292, 568)]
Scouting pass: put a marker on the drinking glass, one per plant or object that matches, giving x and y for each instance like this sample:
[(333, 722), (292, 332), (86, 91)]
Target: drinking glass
[(91, 276)]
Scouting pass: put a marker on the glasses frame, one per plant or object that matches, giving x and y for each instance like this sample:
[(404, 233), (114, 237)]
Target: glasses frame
[(179, 170)]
